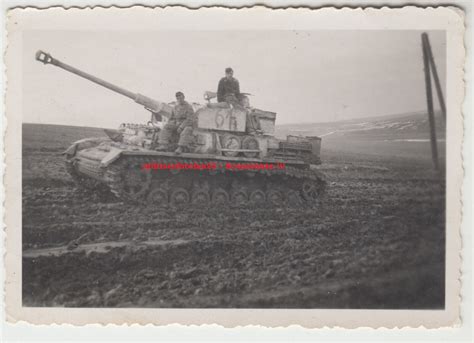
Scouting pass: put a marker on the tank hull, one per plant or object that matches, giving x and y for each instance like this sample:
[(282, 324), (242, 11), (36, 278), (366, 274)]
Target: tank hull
[(141, 175)]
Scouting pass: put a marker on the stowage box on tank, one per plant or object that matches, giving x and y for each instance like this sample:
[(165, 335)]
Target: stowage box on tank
[(234, 157)]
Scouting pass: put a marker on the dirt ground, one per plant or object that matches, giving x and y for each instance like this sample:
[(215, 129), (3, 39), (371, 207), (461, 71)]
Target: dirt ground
[(375, 241)]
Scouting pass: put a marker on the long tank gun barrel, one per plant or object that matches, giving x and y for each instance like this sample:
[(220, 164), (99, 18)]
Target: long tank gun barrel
[(149, 103)]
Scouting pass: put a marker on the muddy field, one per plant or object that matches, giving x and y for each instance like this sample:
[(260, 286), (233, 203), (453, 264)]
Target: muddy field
[(376, 241)]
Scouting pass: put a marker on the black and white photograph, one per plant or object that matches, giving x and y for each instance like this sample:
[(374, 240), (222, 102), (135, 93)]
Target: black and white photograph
[(235, 168)]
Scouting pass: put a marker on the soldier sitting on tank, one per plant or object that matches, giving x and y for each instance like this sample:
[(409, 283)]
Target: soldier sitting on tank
[(180, 122)]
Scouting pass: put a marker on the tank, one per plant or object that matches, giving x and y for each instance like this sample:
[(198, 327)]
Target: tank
[(234, 159)]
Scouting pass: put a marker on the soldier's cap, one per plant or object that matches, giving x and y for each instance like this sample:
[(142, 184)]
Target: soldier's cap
[(179, 93), (229, 70)]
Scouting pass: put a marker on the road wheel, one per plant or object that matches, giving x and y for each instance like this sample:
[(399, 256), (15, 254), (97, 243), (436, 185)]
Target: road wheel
[(239, 198), (257, 197), (179, 197), (158, 197), (220, 197), (275, 197), (200, 198)]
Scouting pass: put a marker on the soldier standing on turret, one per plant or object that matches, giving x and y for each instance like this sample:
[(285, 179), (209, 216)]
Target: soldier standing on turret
[(228, 89), (181, 121)]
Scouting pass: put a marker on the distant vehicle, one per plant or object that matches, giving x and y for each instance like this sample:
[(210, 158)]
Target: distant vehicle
[(227, 164)]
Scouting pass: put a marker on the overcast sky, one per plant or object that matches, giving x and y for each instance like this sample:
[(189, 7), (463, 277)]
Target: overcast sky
[(304, 76)]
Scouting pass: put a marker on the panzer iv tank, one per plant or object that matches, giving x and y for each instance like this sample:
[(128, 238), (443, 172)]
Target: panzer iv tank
[(230, 161)]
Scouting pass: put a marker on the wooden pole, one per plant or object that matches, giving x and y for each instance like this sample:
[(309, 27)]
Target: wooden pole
[(436, 79), (429, 100)]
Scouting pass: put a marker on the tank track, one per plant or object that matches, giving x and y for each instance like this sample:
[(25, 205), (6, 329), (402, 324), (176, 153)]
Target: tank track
[(79, 179), (127, 179)]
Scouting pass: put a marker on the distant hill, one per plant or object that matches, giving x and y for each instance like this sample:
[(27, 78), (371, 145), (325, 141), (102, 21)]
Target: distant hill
[(399, 126), (392, 127)]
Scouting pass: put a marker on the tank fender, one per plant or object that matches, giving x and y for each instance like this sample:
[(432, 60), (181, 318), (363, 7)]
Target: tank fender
[(71, 151), (111, 157), (84, 144)]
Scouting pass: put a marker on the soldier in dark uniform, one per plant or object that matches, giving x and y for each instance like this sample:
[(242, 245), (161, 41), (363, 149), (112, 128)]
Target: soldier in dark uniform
[(228, 89), (181, 121)]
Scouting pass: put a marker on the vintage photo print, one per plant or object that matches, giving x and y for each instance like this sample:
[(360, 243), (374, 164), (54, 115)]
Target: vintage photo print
[(237, 167)]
